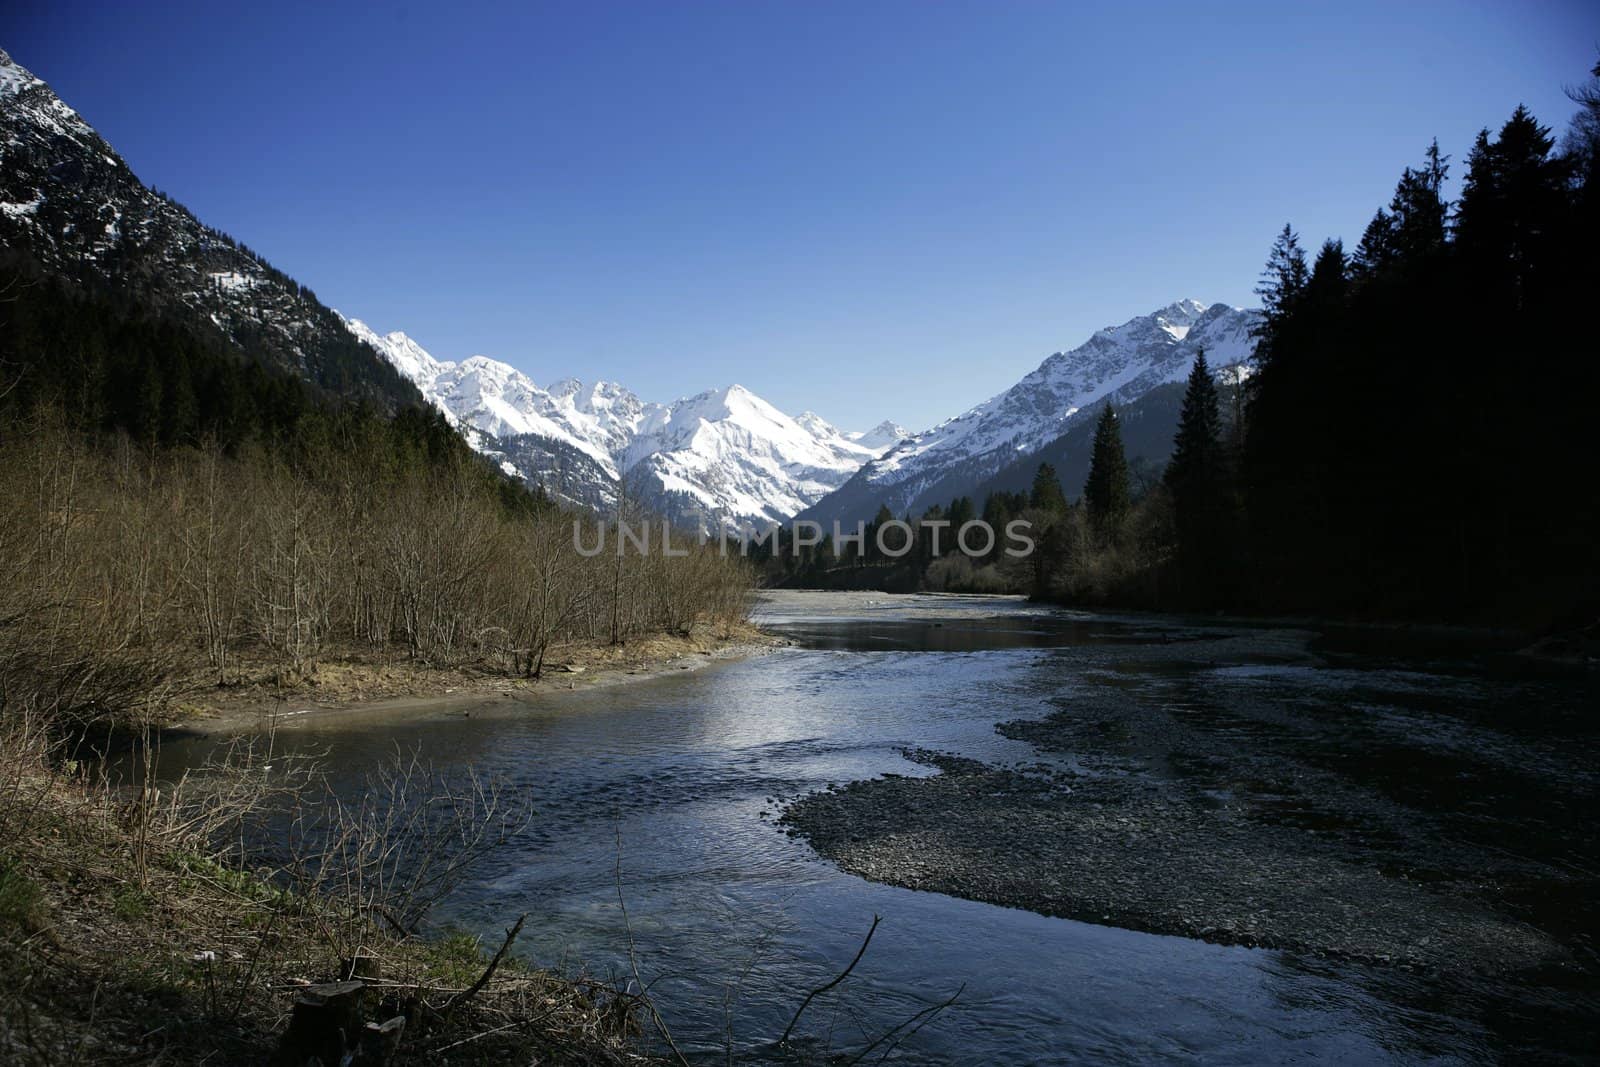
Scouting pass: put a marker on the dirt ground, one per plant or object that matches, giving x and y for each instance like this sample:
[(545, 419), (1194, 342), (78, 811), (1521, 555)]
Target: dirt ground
[(351, 683)]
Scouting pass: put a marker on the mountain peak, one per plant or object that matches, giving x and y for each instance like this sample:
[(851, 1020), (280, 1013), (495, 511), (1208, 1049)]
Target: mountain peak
[(729, 402), (13, 76), (881, 436), (1179, 317)]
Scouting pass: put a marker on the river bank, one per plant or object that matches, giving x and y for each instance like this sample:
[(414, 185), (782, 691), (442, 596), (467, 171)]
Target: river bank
[(127, 937), (352, 688), (130, 931)]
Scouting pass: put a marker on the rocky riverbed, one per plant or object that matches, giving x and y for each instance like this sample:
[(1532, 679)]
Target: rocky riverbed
[(1308, 812)]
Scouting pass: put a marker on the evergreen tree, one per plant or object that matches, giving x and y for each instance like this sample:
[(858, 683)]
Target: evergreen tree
[(1106, 490), (1046, 494), (1379, 246), (1382, 409), (884, 515), (926, 536), (1513, 203), (1419, 210), (1329, 275), (1196, 466), (1197, 480), (142, 411), (1000, 507), (180, 415), (1282, 284)]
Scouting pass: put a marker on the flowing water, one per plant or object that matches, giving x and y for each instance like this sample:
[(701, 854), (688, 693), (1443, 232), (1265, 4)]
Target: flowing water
[(733, 919)]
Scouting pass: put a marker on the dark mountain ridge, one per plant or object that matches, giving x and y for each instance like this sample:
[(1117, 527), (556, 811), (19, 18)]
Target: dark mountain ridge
[(72, 208)]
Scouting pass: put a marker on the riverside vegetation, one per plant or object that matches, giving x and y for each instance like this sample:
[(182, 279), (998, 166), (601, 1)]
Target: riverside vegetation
[(181, 525)]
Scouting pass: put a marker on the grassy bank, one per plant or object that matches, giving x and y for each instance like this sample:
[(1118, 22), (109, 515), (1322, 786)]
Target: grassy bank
[(128, 935)]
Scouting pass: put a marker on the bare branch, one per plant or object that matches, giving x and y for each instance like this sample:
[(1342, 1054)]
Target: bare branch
[(817, 992)]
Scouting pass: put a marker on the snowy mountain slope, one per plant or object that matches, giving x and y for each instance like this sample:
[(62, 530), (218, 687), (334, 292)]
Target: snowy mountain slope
[(1148, 423), (1119, 364), (728, 452), (724, 457), (880, 436), (71, 206)]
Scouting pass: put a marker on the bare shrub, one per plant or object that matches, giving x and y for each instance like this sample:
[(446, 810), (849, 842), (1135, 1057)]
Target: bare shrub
[(127, 577), (389, 856)]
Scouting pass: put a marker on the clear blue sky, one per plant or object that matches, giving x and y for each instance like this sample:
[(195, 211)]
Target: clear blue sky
[(868, 209)]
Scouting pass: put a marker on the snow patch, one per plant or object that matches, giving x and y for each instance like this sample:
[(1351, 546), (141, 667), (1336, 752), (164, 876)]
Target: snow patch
[(231, 281), (15, 79)]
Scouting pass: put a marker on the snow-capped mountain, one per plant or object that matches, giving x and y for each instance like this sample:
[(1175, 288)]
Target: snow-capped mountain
[(881, 436), (730, 453), (1119, 364), (70, 206), (724, 457)]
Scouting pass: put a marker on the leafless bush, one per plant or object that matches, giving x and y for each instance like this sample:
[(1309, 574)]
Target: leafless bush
[(220, 805), (125, 575), (392, 854)]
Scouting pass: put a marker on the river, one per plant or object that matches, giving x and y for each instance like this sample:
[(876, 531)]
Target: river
[(734, 915)]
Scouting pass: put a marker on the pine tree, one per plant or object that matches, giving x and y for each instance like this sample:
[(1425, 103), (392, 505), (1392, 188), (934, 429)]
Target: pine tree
[(143, 415), (1378, 247), (1046, 494), (884, 515), (1196, 466), (1439, 306), (1282, 284), (1285, 275), (1197, 479), (1329, 275), (1106, 490), (1513, 201), (1419, 209)]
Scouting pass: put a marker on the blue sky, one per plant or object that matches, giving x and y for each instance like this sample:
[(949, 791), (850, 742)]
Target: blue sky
[(868, 209)]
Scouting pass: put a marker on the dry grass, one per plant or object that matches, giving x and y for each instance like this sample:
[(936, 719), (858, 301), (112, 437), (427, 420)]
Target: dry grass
[(174, 957), (352, 677)]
